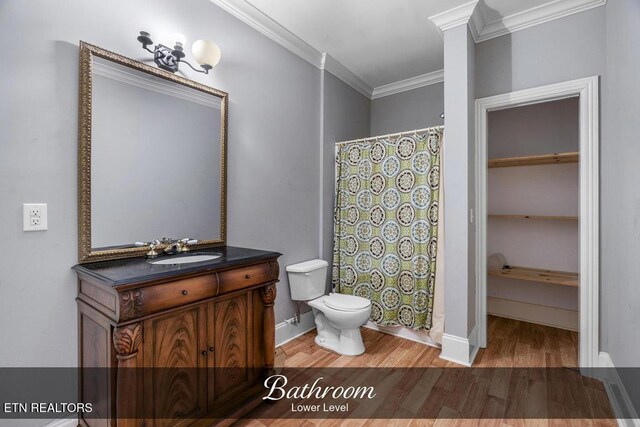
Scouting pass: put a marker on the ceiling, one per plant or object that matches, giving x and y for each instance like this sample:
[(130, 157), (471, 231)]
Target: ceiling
[(382, 42)]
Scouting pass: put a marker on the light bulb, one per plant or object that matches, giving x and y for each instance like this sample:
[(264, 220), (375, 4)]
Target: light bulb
[(206, 52)]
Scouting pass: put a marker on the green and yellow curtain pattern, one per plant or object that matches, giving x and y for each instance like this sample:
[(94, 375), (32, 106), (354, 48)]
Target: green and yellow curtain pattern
[(386, 225)]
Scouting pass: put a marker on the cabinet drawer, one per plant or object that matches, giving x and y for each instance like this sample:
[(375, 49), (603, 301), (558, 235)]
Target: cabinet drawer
[(245, 277), (164, 296)]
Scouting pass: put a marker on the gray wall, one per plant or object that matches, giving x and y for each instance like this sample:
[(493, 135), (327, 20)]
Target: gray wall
[(345, 116), (620, 195), (549, 127), (273, 151), (414, 109), (560, 50)]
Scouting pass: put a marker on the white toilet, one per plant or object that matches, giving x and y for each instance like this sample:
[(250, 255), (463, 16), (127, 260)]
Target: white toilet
[(338, 317)]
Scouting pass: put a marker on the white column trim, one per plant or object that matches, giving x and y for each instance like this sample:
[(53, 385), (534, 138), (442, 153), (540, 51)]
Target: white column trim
[(460, 350)]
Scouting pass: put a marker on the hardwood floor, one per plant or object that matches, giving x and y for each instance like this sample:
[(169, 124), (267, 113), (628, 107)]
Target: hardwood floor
[(512, 344)]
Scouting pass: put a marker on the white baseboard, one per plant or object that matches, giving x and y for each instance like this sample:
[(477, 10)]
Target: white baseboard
[(620, 401), (287, 330), (421, 337), (460, 350), (63, 422), (534, 313)]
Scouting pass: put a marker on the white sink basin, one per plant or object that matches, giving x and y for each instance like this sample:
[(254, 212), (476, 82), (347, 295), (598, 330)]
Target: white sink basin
[(185, 259)]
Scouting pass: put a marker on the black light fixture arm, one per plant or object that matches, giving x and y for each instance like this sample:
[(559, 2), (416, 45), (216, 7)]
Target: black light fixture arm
[(205, 69), (167, 58)]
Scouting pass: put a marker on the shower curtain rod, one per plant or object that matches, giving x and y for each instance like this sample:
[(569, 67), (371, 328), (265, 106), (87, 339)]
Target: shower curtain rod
[(400, 134)]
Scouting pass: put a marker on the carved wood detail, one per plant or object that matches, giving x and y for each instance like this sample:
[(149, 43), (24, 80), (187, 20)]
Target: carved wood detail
[(126, 340), (130, 304), (268, 295)]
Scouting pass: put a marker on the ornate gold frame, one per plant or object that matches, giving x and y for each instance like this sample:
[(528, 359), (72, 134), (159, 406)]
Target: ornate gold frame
[(87, 52)]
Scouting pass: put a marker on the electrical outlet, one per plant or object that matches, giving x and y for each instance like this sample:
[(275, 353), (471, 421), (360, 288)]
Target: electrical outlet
[(34, 216)]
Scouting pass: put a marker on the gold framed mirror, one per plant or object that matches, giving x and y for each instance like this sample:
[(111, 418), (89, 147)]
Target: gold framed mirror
[(151, 158)]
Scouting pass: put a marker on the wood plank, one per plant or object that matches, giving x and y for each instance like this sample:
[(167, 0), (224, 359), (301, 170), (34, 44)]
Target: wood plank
[(537, 217), (564, 278), (544, 159)]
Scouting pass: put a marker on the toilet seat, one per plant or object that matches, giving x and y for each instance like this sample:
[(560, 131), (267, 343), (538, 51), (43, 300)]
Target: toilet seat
[(343, 302)]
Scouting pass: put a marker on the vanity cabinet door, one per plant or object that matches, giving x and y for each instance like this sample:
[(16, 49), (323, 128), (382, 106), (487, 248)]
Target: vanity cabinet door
[(175, 346), (232, 334)]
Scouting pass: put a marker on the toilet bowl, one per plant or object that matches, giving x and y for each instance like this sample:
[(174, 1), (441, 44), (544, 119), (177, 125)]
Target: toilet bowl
[(338, 317)]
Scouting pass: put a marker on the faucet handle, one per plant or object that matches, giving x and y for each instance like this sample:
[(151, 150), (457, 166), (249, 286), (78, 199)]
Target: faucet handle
[(152, 249), (183, 244)]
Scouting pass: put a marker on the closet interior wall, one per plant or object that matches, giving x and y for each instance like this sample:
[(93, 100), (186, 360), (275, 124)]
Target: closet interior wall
[(533, 206)]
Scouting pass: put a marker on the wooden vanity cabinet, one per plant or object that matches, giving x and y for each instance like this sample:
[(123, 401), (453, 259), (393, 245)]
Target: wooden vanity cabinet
[(208, 341)]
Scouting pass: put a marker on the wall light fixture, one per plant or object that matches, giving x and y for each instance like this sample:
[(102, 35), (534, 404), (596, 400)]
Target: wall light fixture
[(206, 52)]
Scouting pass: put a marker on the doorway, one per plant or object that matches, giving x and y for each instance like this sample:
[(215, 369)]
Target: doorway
[(585, 94)]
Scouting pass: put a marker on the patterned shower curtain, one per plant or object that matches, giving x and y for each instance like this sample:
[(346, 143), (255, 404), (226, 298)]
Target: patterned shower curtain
[(386, 223)]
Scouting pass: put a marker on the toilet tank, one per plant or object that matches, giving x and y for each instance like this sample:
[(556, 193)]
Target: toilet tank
[(307, 280)]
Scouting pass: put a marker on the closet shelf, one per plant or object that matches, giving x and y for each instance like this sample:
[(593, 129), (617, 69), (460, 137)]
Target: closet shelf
[(543, 159), (544, 217), (537, 275)]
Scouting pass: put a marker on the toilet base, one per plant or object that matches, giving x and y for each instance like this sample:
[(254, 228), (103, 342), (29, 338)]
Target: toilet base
[(347, 342), (354, 347)]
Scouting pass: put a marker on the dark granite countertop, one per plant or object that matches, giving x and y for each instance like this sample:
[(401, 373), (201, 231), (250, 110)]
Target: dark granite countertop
[(122, 272)]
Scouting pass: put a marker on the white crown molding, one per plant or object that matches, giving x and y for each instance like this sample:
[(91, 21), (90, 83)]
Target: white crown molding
[(408, 84), (535, 16), (130, 76), (260, 22), (331, 65), (476, 24), (454, 17), (467, 13)]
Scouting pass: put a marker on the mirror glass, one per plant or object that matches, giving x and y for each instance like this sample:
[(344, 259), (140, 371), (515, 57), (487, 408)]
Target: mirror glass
[(156, 156)]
